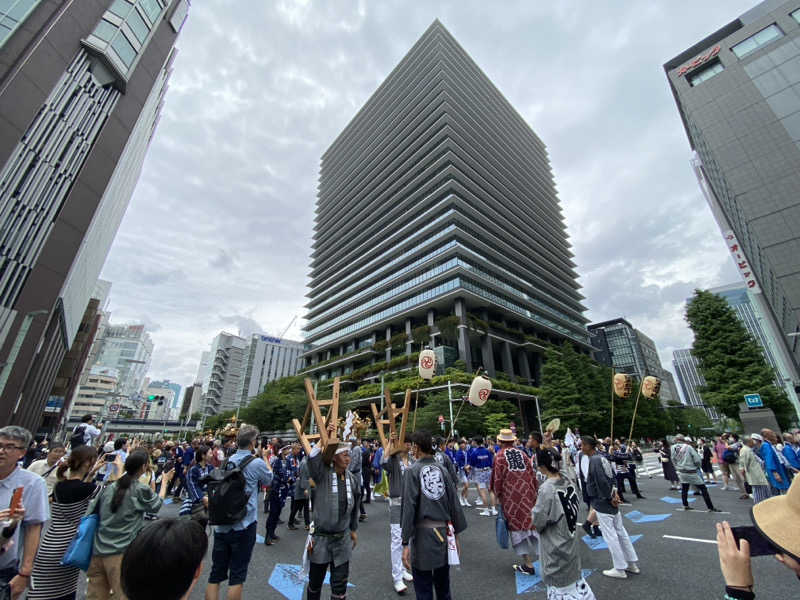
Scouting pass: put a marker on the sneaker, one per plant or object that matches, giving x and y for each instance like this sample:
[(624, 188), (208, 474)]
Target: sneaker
[(461, 501), (587, 527), (633, 568), (485, 513), (407, 576), (597, 532), (493, 511), (724, 487), (400, 587), (466, 502), (362, 518), (478, 502), (525, 569), (615, 573)]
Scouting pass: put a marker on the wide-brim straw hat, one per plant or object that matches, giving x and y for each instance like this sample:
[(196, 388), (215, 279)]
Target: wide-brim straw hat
[(778, 520), (506, 435)]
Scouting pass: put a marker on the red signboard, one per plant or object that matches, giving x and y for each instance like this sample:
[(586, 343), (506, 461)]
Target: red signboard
[(699, 61)]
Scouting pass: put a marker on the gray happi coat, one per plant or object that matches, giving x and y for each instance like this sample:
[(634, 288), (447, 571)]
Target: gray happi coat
[(555, 517), (687, 463), (429, 496), (600, 485), (332, 526), (395, 471), (301, 484)]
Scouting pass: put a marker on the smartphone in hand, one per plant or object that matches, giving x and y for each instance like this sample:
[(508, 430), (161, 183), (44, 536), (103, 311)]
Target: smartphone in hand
[(759, 545), (16, 500)]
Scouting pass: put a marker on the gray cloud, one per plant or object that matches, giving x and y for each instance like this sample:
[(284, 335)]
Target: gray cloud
[(221, 221)]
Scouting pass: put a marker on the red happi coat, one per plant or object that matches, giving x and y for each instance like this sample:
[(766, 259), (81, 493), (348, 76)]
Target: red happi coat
[(515, 484)]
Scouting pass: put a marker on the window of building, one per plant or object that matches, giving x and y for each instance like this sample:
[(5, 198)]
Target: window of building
[(121, 8), (705, 72), (795, 15), (138, 26), (151, 9), (124, 49), (12, 13), (755, 41)]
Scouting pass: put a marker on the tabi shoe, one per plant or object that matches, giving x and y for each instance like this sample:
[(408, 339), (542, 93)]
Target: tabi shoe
[(616, 574), (485, 513), (633, 568), (687, 508), (493, 511), (291, 527), (362, 517), (714, 510), (407, 576), (597, 532), (587, 527), (525, 569), (641, 497), (400, 587)]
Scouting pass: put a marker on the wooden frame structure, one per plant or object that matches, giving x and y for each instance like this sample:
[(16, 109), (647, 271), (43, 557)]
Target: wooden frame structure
[(388, 416), (314, 407)]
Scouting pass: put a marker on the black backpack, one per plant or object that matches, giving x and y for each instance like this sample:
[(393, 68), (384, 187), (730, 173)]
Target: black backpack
[(76, 439), (227, 492)]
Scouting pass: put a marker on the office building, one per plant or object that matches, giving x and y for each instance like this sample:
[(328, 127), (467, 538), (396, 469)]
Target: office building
[(97, 395), (633, 352), (687, 369), (267, 359), (172, 396), (82, 87), (128, 349), (738, 93), (193, 401), (437, 208), (158, 400), (751, 315), (223, 392), (204, 370)]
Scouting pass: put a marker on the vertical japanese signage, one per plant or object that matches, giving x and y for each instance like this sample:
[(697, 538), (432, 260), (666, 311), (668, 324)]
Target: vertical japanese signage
[(741, 262)]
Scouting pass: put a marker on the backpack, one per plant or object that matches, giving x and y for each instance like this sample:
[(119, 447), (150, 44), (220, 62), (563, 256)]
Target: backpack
[(227, 495), (730, 456), (76, 439)]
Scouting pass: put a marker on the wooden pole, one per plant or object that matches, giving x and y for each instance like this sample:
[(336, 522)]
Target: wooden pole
[(416, 403), (635, 406), (612, 404)]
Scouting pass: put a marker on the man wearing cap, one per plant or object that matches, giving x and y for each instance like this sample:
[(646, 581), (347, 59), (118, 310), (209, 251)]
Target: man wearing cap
[(753, 468), (688, 463), (336, 495), (777, 519), (515, 485), (773, 465)]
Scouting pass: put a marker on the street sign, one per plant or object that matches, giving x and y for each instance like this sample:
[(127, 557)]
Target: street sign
[(753, 401)]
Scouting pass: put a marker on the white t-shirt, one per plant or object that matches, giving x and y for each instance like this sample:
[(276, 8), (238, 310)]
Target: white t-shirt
[(40, 467), (585, 466), (89, 433)]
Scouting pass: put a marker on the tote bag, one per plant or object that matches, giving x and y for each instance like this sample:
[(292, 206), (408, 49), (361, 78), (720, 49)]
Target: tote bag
[(501, 529), (79, 553)]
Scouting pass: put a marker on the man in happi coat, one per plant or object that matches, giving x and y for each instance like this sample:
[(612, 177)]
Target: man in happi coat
[(515, 485)]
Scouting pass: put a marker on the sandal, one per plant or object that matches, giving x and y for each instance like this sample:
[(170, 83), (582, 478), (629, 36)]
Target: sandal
[(525, 569)]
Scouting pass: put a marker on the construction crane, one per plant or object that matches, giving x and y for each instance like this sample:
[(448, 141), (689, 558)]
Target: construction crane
[(280, 337)]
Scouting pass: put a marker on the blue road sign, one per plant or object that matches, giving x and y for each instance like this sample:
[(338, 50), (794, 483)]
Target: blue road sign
[(753, 401)]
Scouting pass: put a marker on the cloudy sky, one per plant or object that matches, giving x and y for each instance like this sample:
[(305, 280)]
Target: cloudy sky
[(218, 233)]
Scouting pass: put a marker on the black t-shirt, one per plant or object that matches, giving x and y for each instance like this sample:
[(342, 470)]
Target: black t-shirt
[(73, 490)]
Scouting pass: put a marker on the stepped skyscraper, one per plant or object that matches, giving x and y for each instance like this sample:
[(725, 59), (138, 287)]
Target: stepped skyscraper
[(437, 213)]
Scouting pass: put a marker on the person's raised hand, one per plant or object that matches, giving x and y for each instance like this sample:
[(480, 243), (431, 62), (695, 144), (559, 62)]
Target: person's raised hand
[(734, 561)]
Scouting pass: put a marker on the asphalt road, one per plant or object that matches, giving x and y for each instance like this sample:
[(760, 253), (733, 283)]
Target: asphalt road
[(670, 568)]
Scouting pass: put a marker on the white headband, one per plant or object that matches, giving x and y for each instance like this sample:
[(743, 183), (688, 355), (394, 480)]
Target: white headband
[(343, 447)]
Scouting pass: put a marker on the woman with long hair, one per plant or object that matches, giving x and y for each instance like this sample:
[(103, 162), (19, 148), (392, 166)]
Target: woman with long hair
[(121, 508), (70, 497), (670, 474)]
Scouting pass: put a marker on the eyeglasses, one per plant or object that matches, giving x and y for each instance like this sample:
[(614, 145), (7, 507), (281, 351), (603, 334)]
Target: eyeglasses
[(8, 447)]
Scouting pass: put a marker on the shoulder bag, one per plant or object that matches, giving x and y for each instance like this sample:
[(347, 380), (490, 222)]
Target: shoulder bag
[(79, 553)]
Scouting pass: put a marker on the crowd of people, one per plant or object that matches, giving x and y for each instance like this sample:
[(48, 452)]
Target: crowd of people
[(534, 487)]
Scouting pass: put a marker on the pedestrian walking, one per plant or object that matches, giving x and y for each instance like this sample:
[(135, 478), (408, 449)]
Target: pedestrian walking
[(753, 469), (555, 518), (463, 479), (605, 501), (773, 465), (335, 517), (480, 470), (515, 485), (687, 463), (233, 543), (395, 463), (300, 490), (706, 462), (430, 507), (120, 507)]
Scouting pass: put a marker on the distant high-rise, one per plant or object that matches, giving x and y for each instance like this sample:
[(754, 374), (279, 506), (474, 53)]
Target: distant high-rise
[(437, 209), (128, 349), (689, 377), (738, 93), (267, 359), (227, 357), (81, 88), (631, 351)]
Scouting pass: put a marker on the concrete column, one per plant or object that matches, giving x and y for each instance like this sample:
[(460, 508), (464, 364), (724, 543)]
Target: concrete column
[(374, 337), (463, 336), (430, 317), (409, 341), (508, 363), (341, 349), (487, 355), (388, 348), (537, 369), (524, 366)]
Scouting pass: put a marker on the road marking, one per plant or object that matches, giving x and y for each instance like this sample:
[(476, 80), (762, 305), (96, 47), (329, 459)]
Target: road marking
[(697, 510), (686, 539)]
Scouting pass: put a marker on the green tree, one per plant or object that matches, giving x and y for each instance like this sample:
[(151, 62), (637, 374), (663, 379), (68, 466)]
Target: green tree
[(693, 421), (730, 360), (218, 421), (494, 422), (281, 401)]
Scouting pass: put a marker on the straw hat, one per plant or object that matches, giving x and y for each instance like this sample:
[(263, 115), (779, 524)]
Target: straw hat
[(506, 435), (778, 520)]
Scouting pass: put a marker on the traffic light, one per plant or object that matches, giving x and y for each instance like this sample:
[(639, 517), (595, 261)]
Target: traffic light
[(159, 399)]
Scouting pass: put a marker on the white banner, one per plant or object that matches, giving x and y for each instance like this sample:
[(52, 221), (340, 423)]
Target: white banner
[(741, 262)]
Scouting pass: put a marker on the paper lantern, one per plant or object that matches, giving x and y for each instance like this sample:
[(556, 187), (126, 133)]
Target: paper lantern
[(427, 363), (623, 385), (651, 386), (480, 390)]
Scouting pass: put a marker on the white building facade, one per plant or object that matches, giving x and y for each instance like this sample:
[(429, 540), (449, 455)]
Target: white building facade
[(268, 358)]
